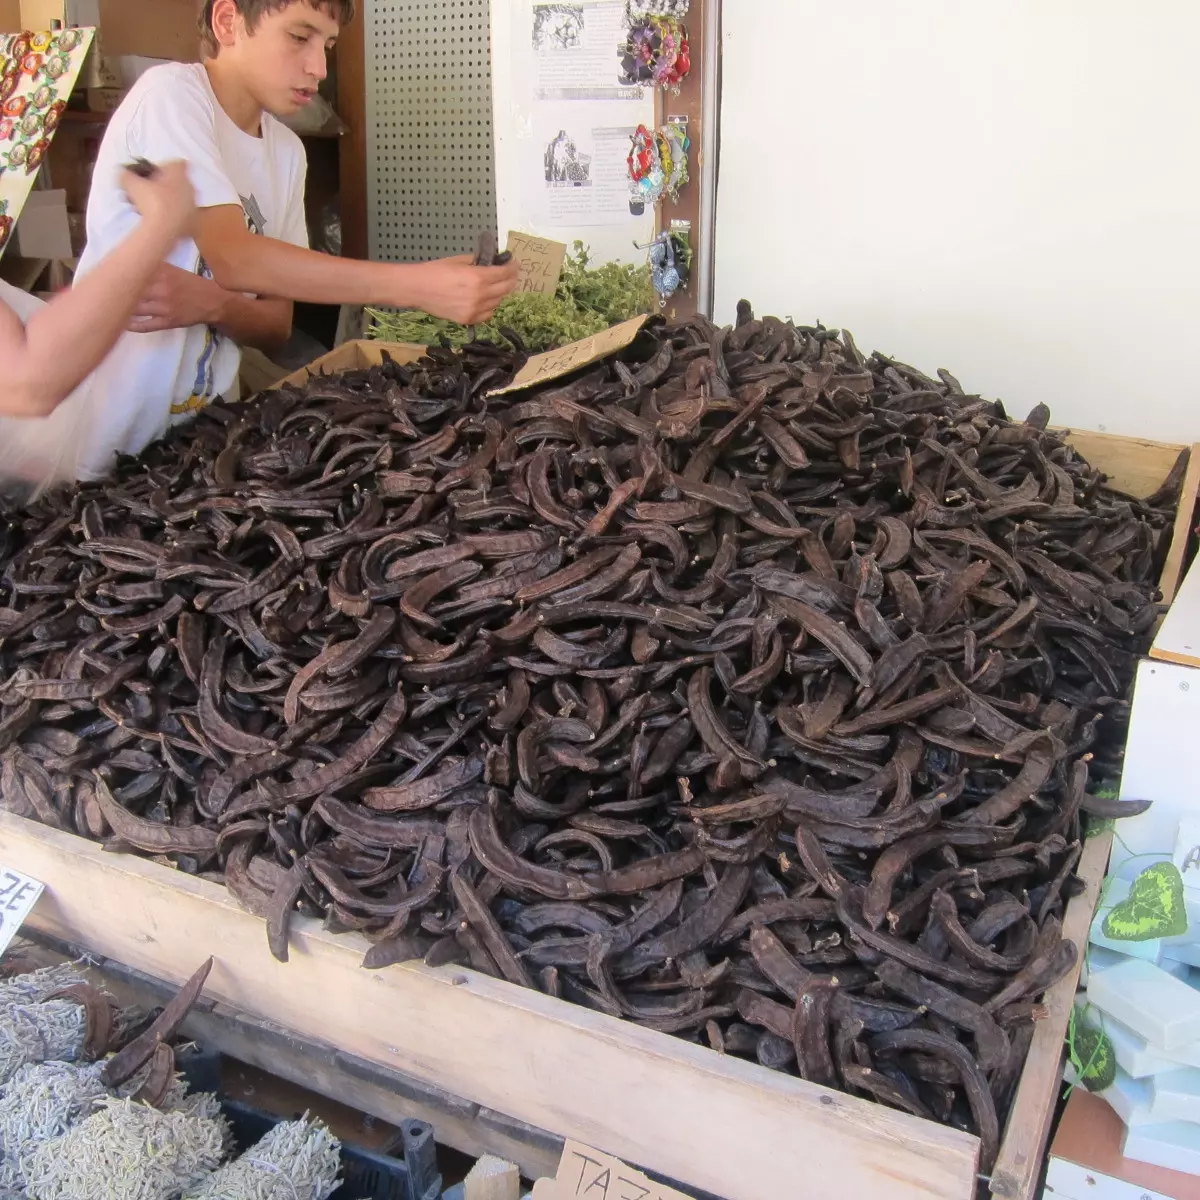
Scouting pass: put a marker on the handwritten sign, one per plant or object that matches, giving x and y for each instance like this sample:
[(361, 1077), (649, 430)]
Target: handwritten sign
[(585, 1174), (540, 261), (542, 368), (18, 895)]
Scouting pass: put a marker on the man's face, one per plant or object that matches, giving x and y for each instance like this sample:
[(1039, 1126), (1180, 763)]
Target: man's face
[(285, 58)]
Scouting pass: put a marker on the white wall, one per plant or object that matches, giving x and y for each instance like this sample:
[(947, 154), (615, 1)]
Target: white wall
[(1008, 190)]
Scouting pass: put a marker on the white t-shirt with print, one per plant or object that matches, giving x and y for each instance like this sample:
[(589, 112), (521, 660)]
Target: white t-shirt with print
[(154, 380)]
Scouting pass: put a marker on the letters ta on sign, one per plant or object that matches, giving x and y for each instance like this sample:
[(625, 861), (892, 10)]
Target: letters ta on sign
[(586, 1174), (18, 894), (1187, 852), (539, 260)]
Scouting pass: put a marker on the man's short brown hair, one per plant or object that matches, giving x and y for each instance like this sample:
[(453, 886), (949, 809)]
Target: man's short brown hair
[(253, 11)]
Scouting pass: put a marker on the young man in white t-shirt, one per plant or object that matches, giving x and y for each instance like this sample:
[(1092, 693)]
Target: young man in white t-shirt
[(234, 284)]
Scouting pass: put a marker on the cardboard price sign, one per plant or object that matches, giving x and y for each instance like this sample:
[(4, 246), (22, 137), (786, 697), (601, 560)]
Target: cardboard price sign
[(540, 261), (18, 894), (553, 364), (585, 1174)]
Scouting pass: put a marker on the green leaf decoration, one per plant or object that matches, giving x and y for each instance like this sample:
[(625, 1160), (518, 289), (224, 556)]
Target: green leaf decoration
[(1093, 1057), (1153, 909)]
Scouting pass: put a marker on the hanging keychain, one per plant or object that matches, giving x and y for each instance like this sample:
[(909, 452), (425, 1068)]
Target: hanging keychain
[(677, 144), (658, 165), (674, 59), (647, 174), (670, 263), (639, 53), (656, 51)]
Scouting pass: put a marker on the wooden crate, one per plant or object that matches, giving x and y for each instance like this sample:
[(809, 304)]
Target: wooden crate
[(714, 1123), (354, 356), (540, 368), (1138, 467), (729, 1127)]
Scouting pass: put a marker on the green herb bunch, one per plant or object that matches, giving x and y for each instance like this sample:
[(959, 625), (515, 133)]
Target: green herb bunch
[(588, 301)]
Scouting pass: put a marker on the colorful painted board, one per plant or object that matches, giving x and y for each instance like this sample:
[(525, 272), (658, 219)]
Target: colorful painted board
[(37, 73)]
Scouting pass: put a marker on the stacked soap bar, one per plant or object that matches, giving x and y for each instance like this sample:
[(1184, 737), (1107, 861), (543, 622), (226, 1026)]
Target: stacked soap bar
[(1145, 996)]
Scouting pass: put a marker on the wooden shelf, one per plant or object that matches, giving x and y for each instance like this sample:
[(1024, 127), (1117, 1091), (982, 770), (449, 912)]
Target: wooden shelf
[(77, 117)]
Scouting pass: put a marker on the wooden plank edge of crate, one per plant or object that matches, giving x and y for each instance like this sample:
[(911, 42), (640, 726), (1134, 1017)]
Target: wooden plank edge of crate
[(1018, 1165), (712, 1122), (1175, 657), (352, 356), (1172, 575), (1139, 467), (1176, 640), (1134, 465), (316, 1065)]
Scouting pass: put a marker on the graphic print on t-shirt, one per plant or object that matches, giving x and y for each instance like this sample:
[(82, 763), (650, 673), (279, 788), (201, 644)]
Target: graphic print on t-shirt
[(255, 221), (202, 388)]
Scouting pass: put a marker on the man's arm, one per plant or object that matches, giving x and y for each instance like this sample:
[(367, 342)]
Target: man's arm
[(454, 289), (48, 357), (265, 324), (178, 299)]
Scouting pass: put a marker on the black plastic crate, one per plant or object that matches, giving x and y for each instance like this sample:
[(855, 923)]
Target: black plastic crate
[(366, 1174)]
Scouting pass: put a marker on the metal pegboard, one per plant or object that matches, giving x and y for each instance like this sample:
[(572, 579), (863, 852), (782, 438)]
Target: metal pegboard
[(431, 185)]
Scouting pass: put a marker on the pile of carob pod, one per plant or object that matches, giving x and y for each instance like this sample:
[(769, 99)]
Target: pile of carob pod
[(741, 685)]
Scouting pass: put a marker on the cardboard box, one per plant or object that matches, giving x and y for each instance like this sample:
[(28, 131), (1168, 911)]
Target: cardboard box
[(10, 16), (1086, 1162), (129, 68), (48, 14), (154, 28), (44, 230), (104, 99)]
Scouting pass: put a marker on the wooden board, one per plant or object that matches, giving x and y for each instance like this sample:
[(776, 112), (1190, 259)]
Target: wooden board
[(154, 28), (1139, 468), (1133, 465), (1019, 1163), (383, 1093), (354, 356), (1178, 640), (1185, 518), (687, 102), (258, 372), (719, 1124), (352, 146), (541, 368)]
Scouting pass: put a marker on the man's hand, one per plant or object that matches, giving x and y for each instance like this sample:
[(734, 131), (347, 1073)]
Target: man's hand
[(455, 289), (177, 299)]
